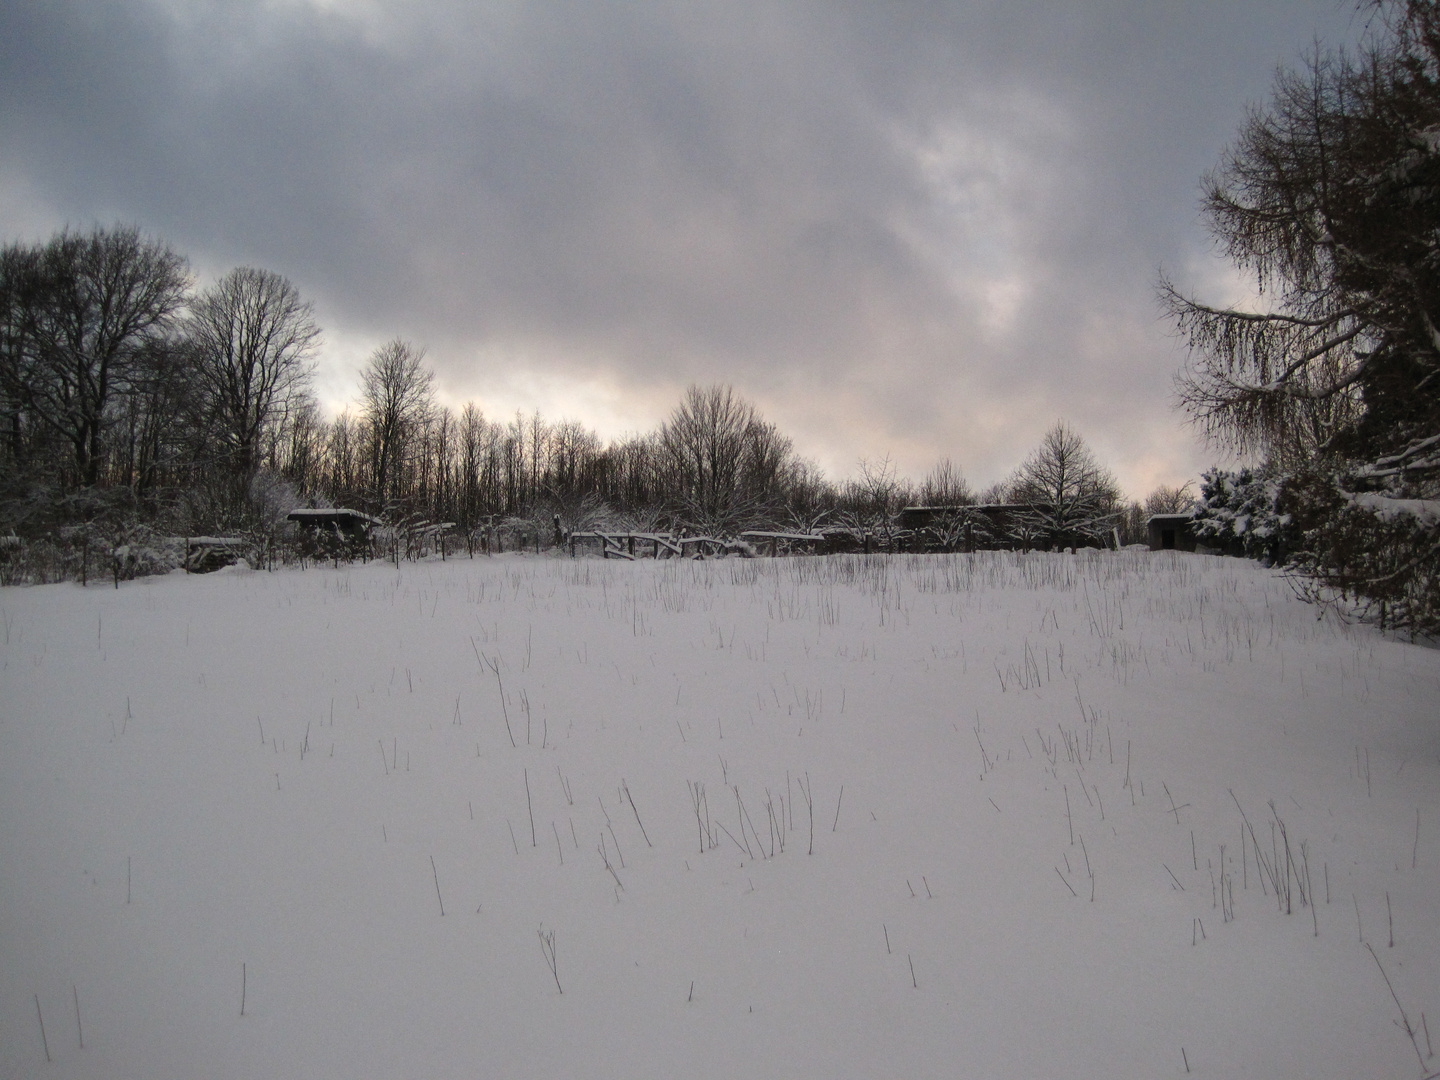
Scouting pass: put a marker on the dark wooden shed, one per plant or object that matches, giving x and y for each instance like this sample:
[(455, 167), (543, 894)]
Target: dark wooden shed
[(1171, 532), (349, 524), (334, 532)]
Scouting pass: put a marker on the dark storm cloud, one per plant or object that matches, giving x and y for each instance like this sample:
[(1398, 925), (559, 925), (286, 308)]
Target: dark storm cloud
[(927, 228)]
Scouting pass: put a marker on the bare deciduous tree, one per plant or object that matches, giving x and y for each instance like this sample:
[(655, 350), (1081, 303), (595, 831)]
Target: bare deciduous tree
[(945, 485), (872, 499), (1070, 498), (1170, 500), (81, 313), (397, 394), (254, 341), (723, 462)]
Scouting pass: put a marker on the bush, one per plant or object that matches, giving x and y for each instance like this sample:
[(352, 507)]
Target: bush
[(1376, 551), (1239, 514), (142, 552)]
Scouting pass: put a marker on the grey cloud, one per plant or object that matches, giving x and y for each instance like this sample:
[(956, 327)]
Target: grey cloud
[(931, 227)]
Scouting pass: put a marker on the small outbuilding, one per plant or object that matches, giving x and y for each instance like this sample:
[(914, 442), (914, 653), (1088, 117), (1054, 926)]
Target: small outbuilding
[(1171, 532), (352, 524), (333, 530)]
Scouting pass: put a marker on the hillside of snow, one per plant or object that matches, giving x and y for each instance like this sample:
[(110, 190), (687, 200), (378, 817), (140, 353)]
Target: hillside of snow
[(1103, 815)]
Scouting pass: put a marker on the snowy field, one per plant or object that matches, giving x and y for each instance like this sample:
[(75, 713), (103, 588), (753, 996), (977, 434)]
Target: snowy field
[(1105, 815)]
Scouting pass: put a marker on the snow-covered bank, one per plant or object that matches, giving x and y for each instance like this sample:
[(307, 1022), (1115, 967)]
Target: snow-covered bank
[(237, 784)]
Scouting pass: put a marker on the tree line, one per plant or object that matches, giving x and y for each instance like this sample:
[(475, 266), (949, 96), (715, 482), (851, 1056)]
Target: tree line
[(127, 396)]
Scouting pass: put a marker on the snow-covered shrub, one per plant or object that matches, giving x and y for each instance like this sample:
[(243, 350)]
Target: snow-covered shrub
[(1238, 513), (142, 552), (272, 497), (1376, 550)]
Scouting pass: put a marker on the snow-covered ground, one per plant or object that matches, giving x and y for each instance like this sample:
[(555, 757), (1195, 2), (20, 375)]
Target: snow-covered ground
[(263, 788)]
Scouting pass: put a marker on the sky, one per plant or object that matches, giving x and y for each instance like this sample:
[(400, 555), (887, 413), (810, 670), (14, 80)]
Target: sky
[(903, 230)]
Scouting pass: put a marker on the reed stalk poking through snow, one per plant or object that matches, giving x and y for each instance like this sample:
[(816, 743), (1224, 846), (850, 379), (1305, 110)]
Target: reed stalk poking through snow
[(43, 1040), (547, 947), (530, 807), (436, 874), (494, 666), (1405, 1024), (631, 800)]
